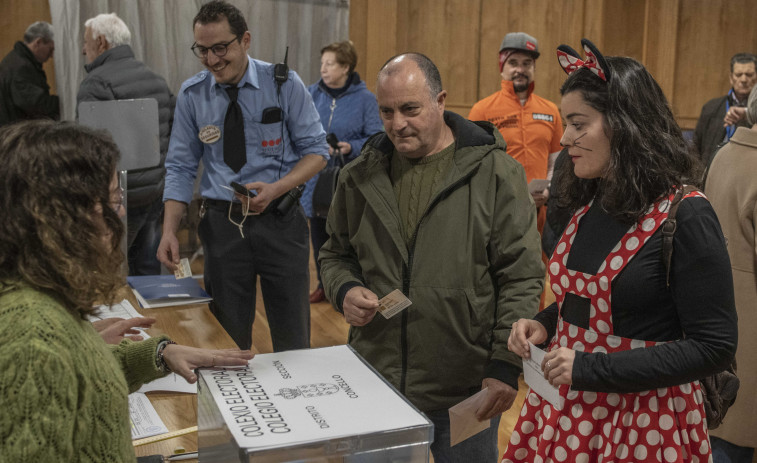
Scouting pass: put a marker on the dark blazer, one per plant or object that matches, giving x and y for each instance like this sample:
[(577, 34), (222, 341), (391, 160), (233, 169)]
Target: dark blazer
[(710, 132), (24, 92)]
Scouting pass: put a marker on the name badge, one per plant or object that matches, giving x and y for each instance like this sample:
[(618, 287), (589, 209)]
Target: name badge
[(209, 134), (543, 117)]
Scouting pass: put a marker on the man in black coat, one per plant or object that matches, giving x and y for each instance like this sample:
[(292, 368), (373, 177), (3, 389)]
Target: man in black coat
[(712, 128), (24, 92), (114, 74)]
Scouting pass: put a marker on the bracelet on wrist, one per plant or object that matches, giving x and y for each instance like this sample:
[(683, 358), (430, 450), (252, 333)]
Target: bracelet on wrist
[(160, 362)]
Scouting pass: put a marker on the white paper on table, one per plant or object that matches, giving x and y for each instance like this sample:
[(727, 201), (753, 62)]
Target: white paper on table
[(534, 377), (124, 310), (145, 421), (170, 383), (462, 418)]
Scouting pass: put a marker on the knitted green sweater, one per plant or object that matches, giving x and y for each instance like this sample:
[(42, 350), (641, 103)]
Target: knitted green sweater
[(415, 182), (63, 391)]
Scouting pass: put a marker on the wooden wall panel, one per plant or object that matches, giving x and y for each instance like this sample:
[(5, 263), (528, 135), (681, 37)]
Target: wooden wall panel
[(622, 25), (359, 33), (661, 42), (15, 17), (453, 48), (381, 34), (710, 32)]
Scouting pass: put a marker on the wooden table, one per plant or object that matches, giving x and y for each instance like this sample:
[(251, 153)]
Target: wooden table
[(191, 325)]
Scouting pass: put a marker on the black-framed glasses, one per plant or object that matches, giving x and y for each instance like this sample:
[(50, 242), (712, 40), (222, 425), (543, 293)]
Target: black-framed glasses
[(218, 49)]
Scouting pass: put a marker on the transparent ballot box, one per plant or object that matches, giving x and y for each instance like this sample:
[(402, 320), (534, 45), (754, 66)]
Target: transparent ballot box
[(311, 405)]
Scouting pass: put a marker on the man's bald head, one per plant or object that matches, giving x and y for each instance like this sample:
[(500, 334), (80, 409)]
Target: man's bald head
[(422, 62)]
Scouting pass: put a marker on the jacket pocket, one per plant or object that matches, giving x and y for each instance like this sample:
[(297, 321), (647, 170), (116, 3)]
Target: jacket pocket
[(268, 139), (481, 306)]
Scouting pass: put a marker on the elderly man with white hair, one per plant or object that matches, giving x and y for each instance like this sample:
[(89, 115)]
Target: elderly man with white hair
[(114, 74)]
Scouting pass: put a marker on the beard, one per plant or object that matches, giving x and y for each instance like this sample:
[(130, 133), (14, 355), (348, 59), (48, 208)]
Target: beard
[(520, 87)]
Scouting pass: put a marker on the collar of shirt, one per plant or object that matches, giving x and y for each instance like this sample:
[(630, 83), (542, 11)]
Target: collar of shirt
[(734, 100), (250, 77)]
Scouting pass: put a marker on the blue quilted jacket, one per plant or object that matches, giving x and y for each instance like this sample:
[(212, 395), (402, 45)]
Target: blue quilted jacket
[(353, 117)]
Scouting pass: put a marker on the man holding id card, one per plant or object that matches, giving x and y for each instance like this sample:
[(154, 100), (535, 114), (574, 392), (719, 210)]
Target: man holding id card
[(252, 124), (435, 220)]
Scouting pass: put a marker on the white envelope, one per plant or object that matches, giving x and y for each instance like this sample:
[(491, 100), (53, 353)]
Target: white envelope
[(534, 377)]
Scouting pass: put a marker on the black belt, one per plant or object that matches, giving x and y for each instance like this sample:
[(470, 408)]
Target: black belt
[(236, 208)]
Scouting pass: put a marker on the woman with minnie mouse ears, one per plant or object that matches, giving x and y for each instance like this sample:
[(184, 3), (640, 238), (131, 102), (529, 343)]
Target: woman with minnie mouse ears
[(627, 339)]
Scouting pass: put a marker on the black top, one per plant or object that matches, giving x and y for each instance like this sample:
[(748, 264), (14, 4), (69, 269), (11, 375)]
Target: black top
[(699, 303), (24, 92)]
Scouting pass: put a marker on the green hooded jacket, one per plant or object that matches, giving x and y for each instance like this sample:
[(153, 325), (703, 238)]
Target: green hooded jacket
[(472, 268)]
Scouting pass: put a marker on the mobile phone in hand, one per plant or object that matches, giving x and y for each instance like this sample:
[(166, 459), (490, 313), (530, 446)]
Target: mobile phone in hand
[(332, 141), (240, 189)]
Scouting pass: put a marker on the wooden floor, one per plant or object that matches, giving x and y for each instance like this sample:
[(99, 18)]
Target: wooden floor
[(328, 328)]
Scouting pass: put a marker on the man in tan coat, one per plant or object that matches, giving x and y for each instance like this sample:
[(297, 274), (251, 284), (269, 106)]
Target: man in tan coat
[(732, 189)]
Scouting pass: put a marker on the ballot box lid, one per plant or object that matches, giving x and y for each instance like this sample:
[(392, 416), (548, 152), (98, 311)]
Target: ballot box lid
[(306, 405)]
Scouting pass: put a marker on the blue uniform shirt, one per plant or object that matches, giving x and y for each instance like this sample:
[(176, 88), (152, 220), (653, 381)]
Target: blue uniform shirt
[(272, 148)]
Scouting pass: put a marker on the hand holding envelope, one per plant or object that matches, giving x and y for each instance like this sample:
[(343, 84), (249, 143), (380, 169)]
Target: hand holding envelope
[(462, 418), (534, 377)]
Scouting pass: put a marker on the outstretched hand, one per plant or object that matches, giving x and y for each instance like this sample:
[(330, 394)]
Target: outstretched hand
[(182, 360), (114, 330)]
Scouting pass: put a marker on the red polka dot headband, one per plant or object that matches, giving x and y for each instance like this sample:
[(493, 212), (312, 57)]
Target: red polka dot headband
[(571, 61)]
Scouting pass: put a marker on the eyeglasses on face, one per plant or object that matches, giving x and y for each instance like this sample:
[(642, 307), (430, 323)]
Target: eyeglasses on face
[(218, 49), (117, 199)]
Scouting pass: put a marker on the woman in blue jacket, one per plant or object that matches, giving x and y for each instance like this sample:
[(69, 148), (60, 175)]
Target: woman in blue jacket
[(349, 111)]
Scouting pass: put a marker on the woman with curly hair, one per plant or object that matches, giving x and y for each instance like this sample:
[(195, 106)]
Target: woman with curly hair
[(63, 391), (627, 339)]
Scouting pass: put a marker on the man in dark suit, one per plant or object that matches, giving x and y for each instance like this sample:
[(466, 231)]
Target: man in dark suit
[(717, 122), (24, 92)]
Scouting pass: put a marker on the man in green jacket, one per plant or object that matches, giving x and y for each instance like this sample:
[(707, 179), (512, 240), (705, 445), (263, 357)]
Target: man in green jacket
[(434, 207)]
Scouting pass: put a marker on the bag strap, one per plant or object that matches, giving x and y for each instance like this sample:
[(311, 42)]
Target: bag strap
[(669, 228)]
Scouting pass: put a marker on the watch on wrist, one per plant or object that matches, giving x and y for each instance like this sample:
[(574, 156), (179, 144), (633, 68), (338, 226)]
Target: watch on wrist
[(160, 362)]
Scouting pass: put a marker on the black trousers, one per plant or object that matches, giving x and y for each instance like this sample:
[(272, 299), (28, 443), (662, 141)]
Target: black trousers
[(275, 248)]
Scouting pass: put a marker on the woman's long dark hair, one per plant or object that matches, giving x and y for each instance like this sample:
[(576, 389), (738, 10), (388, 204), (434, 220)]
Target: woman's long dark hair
[(648, 154)]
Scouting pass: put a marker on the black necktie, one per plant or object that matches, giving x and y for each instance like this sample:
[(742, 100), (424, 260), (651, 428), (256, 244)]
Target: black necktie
[(234, 152)]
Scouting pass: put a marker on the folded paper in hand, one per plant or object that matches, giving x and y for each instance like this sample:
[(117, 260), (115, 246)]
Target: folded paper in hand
[(462, 418), (534, 377), (538, 185)]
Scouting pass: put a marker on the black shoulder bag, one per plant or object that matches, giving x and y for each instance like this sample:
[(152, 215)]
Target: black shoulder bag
[(718, 390)]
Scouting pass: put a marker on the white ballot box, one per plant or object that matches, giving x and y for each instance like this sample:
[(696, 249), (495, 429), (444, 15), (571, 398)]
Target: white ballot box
[(311, 405)]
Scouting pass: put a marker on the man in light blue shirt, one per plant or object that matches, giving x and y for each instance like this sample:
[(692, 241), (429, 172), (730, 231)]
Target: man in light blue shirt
[(282, 144)]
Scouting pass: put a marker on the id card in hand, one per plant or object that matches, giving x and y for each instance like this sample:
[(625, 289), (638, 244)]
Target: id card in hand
[(393, 303), (183, 270)]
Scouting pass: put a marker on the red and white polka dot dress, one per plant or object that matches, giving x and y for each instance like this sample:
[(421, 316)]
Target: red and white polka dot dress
[(664, 425)]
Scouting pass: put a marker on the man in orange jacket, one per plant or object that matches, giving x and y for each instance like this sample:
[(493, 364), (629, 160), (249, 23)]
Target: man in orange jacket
[(530, 125)]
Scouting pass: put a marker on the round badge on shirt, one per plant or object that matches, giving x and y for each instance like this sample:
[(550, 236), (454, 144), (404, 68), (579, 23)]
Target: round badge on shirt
[(209, 134)]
